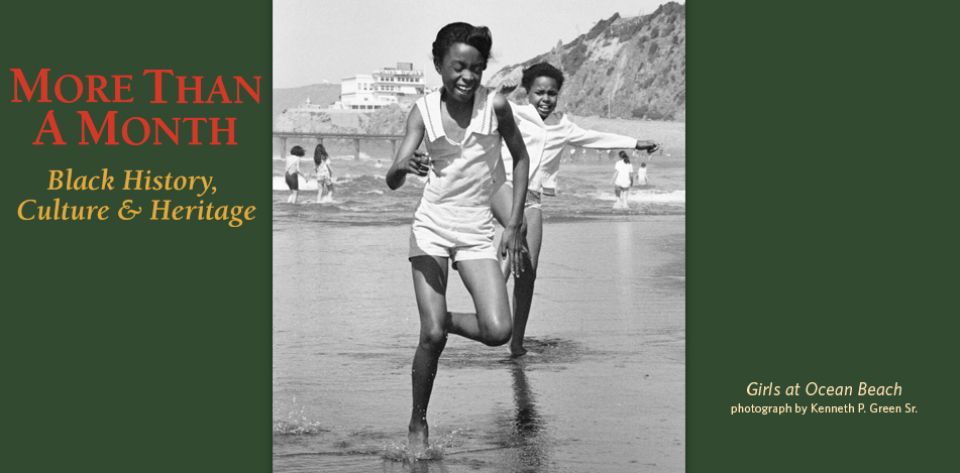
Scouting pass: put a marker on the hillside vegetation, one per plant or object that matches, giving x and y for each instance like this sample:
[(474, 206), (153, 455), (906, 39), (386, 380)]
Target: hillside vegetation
[(623, 67)]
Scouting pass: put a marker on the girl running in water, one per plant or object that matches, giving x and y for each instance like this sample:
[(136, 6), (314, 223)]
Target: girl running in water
[(462, 125), (545, 134)]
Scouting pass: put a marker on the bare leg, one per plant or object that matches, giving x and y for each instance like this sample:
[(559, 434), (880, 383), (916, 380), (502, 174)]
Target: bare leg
[(430, 286), (484, 282), (465, 325), (523, 284), (327, 191), (491, 325)]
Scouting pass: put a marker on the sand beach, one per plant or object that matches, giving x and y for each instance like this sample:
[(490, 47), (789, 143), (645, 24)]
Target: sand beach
[(602, 388)]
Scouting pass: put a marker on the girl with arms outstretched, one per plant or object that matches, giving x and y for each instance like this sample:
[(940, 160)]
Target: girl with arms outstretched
[(545, 134)]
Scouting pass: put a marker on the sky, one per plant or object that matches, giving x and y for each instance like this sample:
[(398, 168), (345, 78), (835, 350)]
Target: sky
[(328, 40)]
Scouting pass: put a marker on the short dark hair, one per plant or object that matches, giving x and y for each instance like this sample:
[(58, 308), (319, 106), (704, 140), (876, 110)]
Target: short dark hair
[(459, 32), (624, 156), (541, 69), (297, 151)]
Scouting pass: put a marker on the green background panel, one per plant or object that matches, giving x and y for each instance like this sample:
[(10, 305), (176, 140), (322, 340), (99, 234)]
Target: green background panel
[(821, 228), (821, 224), (142, 346)]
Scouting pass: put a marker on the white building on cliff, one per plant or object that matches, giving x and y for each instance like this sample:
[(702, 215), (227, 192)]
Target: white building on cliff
[(387, 86)]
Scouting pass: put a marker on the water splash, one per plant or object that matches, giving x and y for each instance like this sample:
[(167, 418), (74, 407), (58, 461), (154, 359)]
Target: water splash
[(302, 427), (401, 452), (296, 423)]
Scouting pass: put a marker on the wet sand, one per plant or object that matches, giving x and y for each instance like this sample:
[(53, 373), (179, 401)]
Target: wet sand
[(602, 388)]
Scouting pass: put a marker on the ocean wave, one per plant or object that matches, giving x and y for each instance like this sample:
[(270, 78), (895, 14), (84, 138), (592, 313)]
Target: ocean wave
[(280, 183), (372, 184), (646, 196)]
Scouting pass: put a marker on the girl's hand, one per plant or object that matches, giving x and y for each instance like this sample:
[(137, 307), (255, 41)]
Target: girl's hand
[(649, 146), (512, 247), (417, 163), (508, 85)]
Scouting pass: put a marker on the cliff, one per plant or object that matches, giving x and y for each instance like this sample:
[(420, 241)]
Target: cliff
[(623, 67)]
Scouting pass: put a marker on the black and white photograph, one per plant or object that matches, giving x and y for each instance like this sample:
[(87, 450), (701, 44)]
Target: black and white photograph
[(479, 231)]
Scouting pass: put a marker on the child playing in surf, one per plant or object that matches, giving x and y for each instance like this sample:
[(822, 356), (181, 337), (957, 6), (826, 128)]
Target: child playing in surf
[(622, 181), (545, 134), (642, 175), (292, 173), (464, 125), (324, 174)]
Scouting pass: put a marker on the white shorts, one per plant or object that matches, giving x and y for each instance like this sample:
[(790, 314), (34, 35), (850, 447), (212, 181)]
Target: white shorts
[(460, 233), (533, 200)]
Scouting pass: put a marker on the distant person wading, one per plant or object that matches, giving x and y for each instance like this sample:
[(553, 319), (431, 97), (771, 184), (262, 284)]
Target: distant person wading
[(292, 173), (321, 160), (622, 181)]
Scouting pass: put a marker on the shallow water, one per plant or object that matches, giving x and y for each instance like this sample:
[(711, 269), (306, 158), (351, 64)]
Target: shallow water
[(602, 388), (585, 190)]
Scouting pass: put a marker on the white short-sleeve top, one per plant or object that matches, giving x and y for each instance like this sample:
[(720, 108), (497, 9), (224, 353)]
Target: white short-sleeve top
[(624, 170)]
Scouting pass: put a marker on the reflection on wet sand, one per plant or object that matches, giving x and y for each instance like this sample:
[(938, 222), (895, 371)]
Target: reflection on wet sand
[(520, 441), (601, 388), (421, 467), (525, 436)]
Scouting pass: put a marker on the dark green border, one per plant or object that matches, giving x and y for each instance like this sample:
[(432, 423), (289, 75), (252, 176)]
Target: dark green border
[(822, 229), (143, 346), (822, 244)]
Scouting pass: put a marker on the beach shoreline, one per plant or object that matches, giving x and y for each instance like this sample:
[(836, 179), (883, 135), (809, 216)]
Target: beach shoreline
[(602, 389)]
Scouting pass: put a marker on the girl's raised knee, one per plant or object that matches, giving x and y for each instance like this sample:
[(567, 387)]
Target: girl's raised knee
[(498, 335)]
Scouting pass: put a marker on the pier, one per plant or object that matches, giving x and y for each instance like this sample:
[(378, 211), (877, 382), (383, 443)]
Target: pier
[(356, 137)]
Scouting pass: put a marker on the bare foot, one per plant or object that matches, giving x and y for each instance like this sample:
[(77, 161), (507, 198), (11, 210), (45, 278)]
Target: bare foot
[(417, 438), (517, 351)]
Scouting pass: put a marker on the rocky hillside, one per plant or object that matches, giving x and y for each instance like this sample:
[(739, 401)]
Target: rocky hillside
[(318, 121), (623, 67), (290, 114), (388, 120), (319, 94)]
